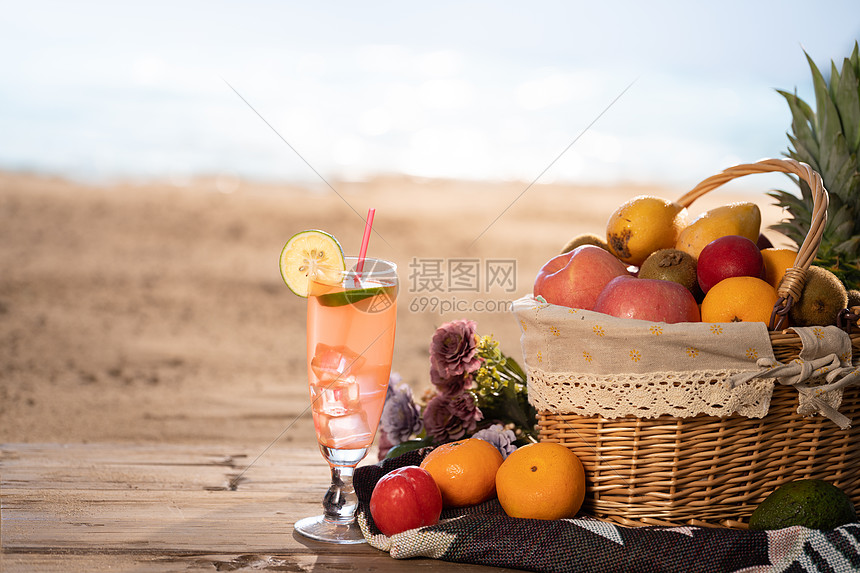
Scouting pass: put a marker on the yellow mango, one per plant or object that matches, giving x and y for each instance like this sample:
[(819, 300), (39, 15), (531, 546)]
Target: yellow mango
[(643, 225), (742, 219)]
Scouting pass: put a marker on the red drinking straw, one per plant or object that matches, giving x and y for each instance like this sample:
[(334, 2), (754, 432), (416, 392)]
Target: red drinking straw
[(368, 225)]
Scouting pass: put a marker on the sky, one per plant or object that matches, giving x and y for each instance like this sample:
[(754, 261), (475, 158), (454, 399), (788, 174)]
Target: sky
[(581, 92)]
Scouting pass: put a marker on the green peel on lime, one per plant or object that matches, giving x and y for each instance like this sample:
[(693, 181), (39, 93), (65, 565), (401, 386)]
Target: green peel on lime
[(352, 296), (311, 254)]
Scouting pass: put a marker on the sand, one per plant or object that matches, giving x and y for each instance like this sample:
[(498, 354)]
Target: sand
[(154, 312)]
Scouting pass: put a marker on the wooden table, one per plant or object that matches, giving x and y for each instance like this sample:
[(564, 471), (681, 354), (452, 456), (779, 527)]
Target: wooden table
[(100, 507)]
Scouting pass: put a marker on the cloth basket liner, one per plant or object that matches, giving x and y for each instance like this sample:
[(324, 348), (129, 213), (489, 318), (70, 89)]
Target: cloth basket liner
[(593, 364)]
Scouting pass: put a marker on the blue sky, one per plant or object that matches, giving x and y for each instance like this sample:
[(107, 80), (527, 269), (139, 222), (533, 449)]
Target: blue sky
[(479, 90)]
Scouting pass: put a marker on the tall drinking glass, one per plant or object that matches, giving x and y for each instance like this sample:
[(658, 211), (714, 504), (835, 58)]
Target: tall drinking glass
[(350, 336)]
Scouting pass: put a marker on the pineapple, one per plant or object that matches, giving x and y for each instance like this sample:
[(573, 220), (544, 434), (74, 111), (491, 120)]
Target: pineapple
[(827, 138)]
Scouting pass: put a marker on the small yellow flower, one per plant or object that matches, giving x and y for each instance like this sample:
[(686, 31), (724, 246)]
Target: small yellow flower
[(656, 329), (587, 356), (539, 356), (573, 310), (752, 353), (555, 330), (635, 355), (692, 352), (716, 329), (523, 325), (818, 332), (598, 330)]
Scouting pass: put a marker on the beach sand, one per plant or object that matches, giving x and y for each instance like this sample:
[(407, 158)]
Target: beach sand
[(155, 312)]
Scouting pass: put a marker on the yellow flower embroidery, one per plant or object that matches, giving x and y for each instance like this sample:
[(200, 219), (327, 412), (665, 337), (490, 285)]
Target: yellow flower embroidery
[(587, 356), (716, 329), (692, 352), (539, 356), (656, 329), (818, 332), (752, 353), (598, 330), (555, 331), (845, 357), (523, 324), (635, 356), (573, 310)]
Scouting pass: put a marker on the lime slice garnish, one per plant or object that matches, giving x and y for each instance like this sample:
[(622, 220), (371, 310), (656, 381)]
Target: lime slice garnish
[(311, 253), (352, 296)]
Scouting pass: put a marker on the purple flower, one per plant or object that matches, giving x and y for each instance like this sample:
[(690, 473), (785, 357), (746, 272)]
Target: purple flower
[(393, 381), (500, 437), (401, 418), (384, 445), (450, 386), (449, 418), (454, 348)]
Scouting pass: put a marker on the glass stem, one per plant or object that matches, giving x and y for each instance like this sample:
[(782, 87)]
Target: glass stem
[(340, 501)]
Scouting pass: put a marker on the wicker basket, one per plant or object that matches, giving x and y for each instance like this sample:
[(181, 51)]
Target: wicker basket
[(708, 470)]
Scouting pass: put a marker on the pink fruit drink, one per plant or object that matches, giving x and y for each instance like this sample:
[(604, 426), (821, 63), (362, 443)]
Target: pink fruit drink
[(350, 345)]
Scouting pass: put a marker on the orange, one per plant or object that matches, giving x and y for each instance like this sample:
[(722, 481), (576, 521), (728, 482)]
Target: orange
[(465, 471), (541, 481), (739, 299), (776, 261)]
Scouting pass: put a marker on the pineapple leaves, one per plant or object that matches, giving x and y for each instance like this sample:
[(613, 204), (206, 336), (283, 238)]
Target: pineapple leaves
[(822, 95), (800, 215), (838, 171), (802, 118), (827, 137), (804, 153), (793, 204), (849, 247), (841, 224), (834, 79), (847, 98)]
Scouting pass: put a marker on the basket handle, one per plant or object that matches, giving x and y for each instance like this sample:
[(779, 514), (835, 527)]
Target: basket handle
[(795, 277)]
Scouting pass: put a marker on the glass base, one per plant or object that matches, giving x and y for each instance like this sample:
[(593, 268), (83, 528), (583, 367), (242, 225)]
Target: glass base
[(320, 529)]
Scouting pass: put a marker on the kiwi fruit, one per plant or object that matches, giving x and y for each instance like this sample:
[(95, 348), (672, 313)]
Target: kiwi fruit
[(585, 239), (671, 265), (853, 298), (822, 298)]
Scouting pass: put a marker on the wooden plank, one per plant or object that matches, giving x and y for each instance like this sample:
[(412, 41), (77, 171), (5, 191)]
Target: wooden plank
[(161, 467), (96, 507), (174, 498), (331, 560)]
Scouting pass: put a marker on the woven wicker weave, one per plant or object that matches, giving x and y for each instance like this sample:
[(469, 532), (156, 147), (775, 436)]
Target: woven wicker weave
[(712, 471)]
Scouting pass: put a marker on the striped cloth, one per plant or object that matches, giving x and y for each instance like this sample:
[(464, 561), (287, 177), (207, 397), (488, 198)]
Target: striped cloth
[(484, 535)]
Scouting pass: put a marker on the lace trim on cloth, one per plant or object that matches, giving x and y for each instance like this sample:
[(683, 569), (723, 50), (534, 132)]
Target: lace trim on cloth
[(680, 394)]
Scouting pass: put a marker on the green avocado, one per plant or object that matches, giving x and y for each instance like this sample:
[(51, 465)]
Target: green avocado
[(408, 446), (812, 503)]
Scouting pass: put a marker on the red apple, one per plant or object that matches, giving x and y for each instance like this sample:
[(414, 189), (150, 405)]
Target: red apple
[(648, 299), (404, 499), (729, 256), (575, 279)]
